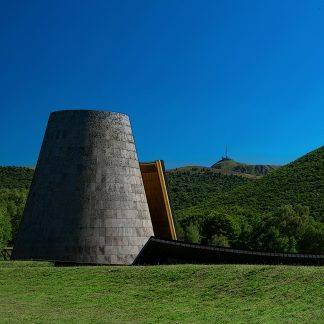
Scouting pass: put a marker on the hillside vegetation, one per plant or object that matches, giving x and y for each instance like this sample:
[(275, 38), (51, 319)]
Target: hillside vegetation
[(38, 292), (300, 182), (15, 177), (14, 185), (229, 165), (282, 211), (191, 185)]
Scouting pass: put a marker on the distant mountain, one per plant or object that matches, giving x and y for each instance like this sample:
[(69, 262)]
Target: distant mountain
[(227, 165)]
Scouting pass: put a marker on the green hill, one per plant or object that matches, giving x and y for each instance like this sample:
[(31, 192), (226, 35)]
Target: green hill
[(14, 185), (300, 182), (282, 211), (190, 185), (230, 166), (40, 293)]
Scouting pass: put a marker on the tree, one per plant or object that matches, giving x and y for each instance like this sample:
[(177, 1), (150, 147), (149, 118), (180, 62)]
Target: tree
[(220, 226), (5, 228), (13, 202), (283, 229), (219, 240), (312, 240), (192, 233)]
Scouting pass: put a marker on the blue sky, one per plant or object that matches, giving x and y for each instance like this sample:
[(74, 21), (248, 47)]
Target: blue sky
[(194, 76)]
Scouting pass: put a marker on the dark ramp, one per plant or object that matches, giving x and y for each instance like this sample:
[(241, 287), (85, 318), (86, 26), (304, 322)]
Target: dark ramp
[(158, 251)]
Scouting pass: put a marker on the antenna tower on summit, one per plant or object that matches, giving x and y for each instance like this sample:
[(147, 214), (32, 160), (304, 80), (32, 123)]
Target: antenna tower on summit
[(225, 157)]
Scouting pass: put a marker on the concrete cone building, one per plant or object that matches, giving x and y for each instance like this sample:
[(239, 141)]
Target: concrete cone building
[(87, 202)]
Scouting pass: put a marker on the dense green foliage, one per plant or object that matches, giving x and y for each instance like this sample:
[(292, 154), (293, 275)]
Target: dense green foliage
[(229, 165), (252, 215), (192, 185), (40, 293), (15, 177), (287, 229), (5, 228), (14, 185), (300, 182), (290, 230), (12, 203)]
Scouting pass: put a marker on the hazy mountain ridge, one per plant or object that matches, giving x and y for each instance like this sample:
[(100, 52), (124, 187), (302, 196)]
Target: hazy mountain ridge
[(227, 164), (190, 168)]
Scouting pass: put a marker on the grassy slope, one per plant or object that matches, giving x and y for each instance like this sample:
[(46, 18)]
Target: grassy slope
[(189, 186), (300, 182), (180, 293)]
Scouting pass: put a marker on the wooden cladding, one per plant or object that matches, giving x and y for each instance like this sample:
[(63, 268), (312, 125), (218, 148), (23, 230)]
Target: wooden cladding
[(158, 200)]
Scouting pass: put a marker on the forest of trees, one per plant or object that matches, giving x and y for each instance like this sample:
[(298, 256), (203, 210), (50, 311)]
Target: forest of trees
[(14, 185), (288, 229), (12, 203), (192, 185)]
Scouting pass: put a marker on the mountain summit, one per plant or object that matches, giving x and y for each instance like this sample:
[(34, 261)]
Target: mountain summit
[(226, 164)]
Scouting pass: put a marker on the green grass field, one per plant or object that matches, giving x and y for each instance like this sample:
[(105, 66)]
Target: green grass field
[(39, 292)]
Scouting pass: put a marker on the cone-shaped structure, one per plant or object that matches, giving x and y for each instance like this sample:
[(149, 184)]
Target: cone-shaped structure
[(87, 202)]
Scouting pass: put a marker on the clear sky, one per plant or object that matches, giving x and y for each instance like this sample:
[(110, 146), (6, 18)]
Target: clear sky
[(194, 76)]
